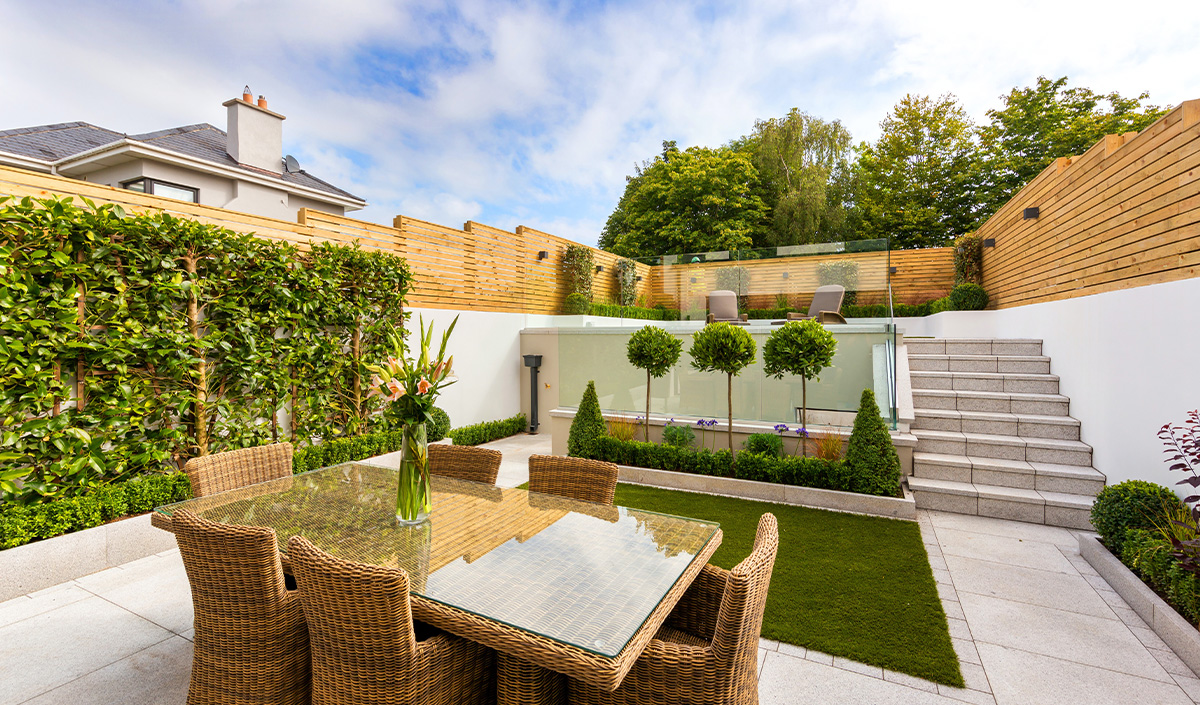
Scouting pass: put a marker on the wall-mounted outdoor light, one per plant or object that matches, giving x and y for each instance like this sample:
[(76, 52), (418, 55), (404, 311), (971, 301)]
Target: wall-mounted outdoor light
[(693, 280), (1032, 213), (891, 270), (989, 242), (542, 254), (785, 275), (599, 268), (637, 279)]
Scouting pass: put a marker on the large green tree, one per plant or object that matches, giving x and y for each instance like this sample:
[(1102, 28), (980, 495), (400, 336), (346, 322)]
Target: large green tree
[(804, 165), (917, 183), (694, 200), (1049, 120)]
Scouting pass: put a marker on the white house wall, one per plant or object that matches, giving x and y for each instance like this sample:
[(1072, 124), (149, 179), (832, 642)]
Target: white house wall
[(1127, 360)]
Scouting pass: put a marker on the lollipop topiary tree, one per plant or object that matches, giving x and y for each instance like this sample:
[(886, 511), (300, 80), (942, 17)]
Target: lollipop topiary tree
[(801, 348), (723, 347), (654, 350)]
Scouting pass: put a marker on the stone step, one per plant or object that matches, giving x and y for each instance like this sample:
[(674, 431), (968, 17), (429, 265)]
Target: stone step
[(973, 346), (1028, 425), (997, 402), (1034, 506), (985, 445), (985, 382), (1069, 479), (1028, 364)]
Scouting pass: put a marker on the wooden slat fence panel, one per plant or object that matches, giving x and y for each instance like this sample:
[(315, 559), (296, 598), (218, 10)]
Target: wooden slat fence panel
[(1124, 214)]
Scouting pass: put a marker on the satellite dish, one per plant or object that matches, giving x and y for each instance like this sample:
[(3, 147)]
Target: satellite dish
[(290, 165)]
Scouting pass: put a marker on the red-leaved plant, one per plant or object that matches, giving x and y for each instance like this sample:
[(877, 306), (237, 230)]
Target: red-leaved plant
[(1183, 454)]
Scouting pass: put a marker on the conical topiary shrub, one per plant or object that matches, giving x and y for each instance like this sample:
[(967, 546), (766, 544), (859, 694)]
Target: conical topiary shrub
[(871, 461), (588, 425)]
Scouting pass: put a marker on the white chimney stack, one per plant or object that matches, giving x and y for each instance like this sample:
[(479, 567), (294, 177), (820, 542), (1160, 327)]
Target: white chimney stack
[(255, 134)]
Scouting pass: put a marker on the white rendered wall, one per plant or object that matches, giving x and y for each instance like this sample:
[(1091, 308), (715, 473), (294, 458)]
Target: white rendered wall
[(487, 359), (1127, 359)]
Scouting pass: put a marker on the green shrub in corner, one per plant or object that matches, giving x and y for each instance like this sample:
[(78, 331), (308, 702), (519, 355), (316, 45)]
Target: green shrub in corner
[(576, 305), (1132, 504), (968, 297), (769, 444), (872, 465), (588, 424), (437, 429), (487, 431)]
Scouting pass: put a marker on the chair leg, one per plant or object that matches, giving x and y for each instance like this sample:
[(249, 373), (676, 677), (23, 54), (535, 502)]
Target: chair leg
[(519, 682)]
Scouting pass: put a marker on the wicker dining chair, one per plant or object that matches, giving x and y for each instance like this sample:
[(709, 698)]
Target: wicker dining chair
[(707, 652), (577, 478), (364, 648), (232, 469), (465, 462), (251, 642)]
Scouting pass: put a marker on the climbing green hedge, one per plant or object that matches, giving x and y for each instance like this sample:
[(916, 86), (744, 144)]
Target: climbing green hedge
[(487, 431), (22, 524)]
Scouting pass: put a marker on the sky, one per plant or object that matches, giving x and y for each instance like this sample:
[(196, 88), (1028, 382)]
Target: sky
[(533, 113)]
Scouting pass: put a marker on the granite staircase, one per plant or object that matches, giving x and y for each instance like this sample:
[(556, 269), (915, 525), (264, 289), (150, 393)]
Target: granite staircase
[(994, 436)]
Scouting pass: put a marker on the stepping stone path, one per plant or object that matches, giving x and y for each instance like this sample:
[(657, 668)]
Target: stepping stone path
[(994, 436)]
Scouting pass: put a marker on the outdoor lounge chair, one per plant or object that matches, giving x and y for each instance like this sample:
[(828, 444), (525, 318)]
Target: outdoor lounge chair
[(825, 307), (251, 643), (233, 469), (707, 652), (576, 478), (365, 648), (723, 308), (465, 462)]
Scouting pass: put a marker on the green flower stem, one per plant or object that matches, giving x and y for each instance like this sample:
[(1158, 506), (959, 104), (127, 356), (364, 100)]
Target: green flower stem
[(412, 492)]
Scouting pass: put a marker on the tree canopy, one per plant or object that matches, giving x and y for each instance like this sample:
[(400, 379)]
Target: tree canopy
[(917, 182), (694, 200), (1040, 123)]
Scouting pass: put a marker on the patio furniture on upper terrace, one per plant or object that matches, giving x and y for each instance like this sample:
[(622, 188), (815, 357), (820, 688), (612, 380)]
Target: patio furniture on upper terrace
[(577, 478), (707, 651), (251, 643), (723, 308), (233, 469), (825, 307), (465, 462), (364, 647)]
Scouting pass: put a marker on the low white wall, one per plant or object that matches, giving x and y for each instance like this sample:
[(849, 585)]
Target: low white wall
[(1127, 359)]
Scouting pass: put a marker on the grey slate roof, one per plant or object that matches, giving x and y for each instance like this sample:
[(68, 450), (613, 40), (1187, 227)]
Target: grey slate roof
[(202, 141)]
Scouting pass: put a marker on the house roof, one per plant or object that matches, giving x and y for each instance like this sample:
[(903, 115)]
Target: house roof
[(53, 143)]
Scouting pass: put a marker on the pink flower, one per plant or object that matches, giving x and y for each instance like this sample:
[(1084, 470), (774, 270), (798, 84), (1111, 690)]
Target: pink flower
[(396, 390), (423, 386)]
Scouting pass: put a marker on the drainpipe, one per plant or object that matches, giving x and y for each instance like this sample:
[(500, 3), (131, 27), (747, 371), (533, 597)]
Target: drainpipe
[(533, 362)]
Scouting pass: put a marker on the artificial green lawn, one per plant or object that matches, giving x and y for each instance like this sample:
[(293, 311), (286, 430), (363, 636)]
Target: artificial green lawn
[(844, 584)]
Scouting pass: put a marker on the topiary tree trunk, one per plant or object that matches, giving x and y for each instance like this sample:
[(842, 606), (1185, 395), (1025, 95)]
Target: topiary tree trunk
[(723, 347), (656, 351)]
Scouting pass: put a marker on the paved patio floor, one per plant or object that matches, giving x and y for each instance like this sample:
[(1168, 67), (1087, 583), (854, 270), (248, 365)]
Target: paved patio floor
[(1031, 621)]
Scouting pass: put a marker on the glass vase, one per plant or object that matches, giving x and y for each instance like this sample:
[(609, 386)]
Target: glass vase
[(412, 491)]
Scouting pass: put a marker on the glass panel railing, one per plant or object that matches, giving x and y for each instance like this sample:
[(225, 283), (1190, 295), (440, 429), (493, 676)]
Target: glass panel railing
[(865, 359)]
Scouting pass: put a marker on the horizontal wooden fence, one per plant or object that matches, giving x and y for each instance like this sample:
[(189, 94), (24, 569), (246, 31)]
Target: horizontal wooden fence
[(1124, 214)]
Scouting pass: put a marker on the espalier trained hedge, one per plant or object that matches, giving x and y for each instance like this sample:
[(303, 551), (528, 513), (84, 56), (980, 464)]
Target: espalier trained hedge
[(22, 524), (788, 470), (478, 433)]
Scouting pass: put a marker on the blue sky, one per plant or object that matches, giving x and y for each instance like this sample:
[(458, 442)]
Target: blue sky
[(533, 113)]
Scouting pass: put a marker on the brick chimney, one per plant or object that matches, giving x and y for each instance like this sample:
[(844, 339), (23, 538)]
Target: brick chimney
[(255, 134)]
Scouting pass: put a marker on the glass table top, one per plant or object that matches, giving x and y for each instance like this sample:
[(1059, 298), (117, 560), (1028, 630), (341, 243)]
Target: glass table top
[(580, 573)]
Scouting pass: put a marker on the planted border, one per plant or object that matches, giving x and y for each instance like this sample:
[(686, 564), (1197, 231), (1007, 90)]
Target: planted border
[(476, 434)]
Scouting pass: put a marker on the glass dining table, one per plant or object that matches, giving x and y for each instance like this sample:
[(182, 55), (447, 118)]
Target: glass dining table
[(556, 586)]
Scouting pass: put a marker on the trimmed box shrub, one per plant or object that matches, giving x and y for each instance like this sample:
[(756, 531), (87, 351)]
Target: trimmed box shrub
[(768, 444), (871, 459), (488, 431), (588, 424), (1132, 504), (968, 297)]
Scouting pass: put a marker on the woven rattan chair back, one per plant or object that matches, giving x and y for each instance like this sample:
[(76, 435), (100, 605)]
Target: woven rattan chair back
[(251, 643), (739, 620), (363, 644), (577, 478), (465, 462), (233, 469)]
